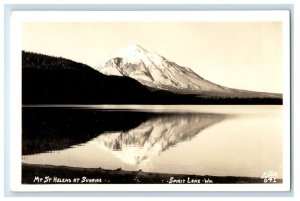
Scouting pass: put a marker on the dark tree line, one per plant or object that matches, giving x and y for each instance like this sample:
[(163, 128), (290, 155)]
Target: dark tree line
[(44, 62)]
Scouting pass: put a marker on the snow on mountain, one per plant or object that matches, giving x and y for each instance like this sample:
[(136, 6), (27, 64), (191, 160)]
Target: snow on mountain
[(153, 70)]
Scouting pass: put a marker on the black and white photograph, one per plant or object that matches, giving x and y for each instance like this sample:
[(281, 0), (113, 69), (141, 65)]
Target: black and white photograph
[(166, 98)]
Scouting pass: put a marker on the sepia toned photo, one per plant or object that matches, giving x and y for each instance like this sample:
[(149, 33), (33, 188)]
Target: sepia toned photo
[(168, 102)]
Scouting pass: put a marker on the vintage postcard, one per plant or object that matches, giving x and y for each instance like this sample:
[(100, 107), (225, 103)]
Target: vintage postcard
[(151, 101)]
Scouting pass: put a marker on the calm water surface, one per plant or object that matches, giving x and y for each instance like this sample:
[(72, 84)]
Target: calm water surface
[(204, 140)]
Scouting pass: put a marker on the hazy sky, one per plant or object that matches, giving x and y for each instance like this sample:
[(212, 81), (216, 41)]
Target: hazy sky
[(244, 55)]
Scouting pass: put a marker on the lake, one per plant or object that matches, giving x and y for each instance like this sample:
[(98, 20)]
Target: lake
[(218, 140)]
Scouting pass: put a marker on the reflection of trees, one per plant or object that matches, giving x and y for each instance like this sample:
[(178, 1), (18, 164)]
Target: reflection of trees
[(117, 145)]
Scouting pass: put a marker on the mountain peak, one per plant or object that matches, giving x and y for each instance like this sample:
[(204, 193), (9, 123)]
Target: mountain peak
[(136, 53), (154, 70), (133, 47)]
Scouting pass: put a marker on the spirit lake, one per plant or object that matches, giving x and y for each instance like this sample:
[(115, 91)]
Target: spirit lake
[(216, 140)]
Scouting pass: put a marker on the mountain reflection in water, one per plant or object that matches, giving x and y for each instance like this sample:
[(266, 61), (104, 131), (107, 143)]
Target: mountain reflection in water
[(154, 136), (144, 136)]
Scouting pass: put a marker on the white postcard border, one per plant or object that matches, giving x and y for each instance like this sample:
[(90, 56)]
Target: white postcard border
[(18, 17)]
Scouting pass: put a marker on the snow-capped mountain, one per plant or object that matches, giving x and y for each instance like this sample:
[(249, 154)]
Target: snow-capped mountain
[(153, 70)]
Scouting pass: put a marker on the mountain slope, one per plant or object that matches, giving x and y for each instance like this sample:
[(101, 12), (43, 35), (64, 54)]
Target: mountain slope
[(153, 70)]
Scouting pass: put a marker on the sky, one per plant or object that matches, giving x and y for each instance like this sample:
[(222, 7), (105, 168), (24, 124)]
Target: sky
[(243, 55)]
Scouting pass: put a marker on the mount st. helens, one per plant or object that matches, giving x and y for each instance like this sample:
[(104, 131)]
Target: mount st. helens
[(155, 71), (139, 78)]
